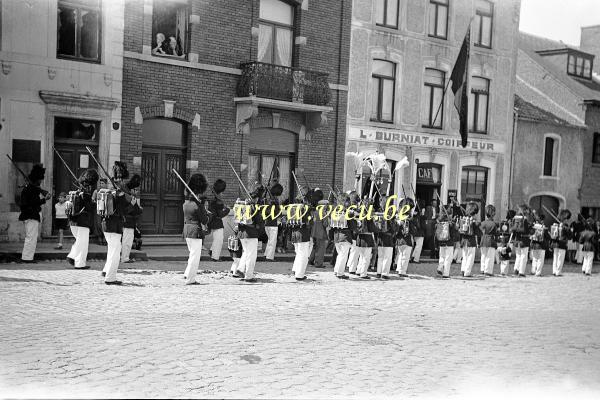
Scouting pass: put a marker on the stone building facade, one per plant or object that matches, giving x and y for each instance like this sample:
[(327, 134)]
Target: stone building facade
[(258, 83), (402, 55), (60, 87)]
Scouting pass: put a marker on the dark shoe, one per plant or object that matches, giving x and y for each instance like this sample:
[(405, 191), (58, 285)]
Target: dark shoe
[(128, 262), (439, 272), (385, 277), (239, 274), (86, 267), (588, 274), (522, 276), (343, 277), (365, 277), (28, 261), (319, 266), (445, 277), (489, 275), (417, 262), (70, 261), (403, 275), (193, 283), (301, 279), (114, 283), (250, 280), (311, 262), (352, 273), (103, 273), (468, 276), (516, 272), (379, 276)]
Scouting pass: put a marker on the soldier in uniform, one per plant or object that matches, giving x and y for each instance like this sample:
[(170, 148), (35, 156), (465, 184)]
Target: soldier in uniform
[(301, 229), (446, 247), (559, 245), (218, 211), (133, 212), (342, 237), (83, 219), (404, 239), (32, 199), (521, 230), (271, 224), (249, 234), (385, 244), (488, 241), (468, 238), (318, 232), (503, 244), (588, 240), (195, 218)]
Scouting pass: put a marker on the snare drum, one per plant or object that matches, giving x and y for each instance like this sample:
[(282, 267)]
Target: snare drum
[(233, 243), (338, 221), (538, 234), (556, 231), (70, 202), (442, 231), (105, 203), (242, 212), (380, 222), (519, 223), (465, 226), (294, 215)]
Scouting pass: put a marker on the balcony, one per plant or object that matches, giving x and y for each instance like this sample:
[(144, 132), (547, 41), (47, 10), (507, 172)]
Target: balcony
[(284, 84)]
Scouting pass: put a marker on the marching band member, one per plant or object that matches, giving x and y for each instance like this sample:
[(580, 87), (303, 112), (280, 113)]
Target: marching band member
[(503, 243), (235, 251), (385, 243), (588, 240), (457, 212), (318, 232), (488, 241), (468, 238), (365, 243), (195, 216), (578, 227), (445, 240), (217, 207), (82, 217), (354, 252), (539, 240), (560, 236), (301, 229), (112, 225), (133, 212), (248, 233), (418, 233), (520, 229), (342, 236), (271, 224), (32, 199), (404, 239)]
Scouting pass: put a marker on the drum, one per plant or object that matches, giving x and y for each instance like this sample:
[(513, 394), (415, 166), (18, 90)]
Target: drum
[(70, 203), (404, 227), (442, 231), (538, 233), (233, 243), (338, 221), (380, 222), (242, 212), (105, 203), (519, 223), (294, 215), (465, 226), (556, 231)]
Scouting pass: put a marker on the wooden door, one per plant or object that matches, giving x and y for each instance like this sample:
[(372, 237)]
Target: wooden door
[(161, 191)]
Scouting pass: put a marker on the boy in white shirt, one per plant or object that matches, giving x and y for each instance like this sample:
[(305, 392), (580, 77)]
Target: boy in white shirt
[(61, 222)]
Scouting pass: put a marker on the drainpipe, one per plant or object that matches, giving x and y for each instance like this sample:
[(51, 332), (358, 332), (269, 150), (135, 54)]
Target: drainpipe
[(337, 118), (512, 156)]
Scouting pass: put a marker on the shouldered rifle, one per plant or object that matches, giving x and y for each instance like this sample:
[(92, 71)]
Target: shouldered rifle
[(76, 181), (298, 185), (240, 181), (44, 192)]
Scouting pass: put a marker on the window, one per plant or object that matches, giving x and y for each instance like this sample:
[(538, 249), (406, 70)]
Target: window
[(275, 32), (484, 14), (260, 166), (382, 180), (579, 66), (383, 82), (387, 13), (169, 28), (474, 186), (79, 30), (67, 129), (596, 150), (478, 105), (432, 99), (551, 149), (438, 18)]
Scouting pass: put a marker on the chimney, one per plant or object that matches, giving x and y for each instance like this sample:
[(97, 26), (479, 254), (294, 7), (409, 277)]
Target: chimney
[(590, 43)]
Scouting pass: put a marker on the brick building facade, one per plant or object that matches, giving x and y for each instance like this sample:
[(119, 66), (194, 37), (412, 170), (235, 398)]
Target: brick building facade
[(256, 83)]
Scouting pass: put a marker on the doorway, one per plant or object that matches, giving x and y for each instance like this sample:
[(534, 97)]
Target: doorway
[(163, 149), (551, 203)]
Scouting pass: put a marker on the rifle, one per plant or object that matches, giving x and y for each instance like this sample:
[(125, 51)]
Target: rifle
[(44, 192), (174, 171), (67, 167), (333, 192), (240, 181), (270, 178), (551, 214), (298, 185)]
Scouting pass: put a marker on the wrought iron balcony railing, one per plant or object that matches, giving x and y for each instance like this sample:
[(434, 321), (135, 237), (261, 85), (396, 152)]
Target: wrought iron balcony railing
[(284, 83)]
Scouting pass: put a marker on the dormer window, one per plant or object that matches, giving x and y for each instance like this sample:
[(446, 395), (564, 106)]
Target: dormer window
[(580, 65)]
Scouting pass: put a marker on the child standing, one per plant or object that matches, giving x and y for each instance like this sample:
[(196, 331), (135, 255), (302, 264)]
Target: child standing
[(61, 222), (588, 241)]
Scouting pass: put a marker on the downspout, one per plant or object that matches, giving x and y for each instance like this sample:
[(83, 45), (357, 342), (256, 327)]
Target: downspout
[(337, 118), (512, 156)]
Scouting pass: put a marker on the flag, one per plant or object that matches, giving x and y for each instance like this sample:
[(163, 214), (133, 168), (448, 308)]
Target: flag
[(460, 86)]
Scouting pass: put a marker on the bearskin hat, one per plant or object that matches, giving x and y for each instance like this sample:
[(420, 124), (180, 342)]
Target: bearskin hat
[(259, 192), (472, 208), (277, 190), (120, 170), (565, 214), (510, 214), (490, 211), (219, 186), (198, 183), (37, 173), (134, 182), (449, 209), (89, 177), (318, 195)]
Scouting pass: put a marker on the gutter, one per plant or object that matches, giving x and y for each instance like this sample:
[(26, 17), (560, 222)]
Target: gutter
[(512, 156)]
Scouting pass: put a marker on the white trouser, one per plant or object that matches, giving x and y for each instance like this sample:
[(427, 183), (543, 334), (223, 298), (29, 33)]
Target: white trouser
[(457, 253), (272, 243), (488, 255), (301, 260), (416, 255), (468, 259), (504, 264), (79, 250), (195, 248), (31, 237), (445, 261), (537, 261), (402, 259), (217, 243), (113, 253), (579, 254), (235, 264), (126, 243), (558, 261), (588, 261), (342, 248), (364, 260), (353, 257), (521, 259), (248, 259), (74, 229), (384, 259)]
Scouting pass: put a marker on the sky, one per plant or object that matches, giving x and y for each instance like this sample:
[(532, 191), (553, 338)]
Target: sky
[(559, 19)]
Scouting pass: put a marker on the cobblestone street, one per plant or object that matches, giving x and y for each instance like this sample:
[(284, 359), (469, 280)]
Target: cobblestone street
[(66, 334)]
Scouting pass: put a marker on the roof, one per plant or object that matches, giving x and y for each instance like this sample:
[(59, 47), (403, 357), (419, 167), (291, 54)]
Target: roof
[(584, 88), (526, 110)]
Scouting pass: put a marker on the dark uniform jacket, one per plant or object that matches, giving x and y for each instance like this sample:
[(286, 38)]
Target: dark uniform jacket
[(219, 211), (402, 238), (114, 223), (470, 240), (131, 217), (488, 230), (86, 215), (521, 239), (387, 237), (564, 236), (588, 239), (453, 237), (194, 215), (31, 203), (272, 203)]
